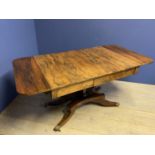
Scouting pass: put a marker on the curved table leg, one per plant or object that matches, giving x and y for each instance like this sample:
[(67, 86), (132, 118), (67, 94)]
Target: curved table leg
[(98, 99), (64, 120)]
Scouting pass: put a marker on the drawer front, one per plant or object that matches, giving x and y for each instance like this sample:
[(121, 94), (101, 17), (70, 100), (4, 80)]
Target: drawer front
[(91, 83), (114, 76), (72, 89)]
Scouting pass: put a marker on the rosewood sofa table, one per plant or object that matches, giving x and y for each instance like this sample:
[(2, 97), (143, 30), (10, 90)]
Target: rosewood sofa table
[(73, 77)]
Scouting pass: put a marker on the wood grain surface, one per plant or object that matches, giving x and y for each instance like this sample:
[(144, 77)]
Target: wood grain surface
[(75, 69)]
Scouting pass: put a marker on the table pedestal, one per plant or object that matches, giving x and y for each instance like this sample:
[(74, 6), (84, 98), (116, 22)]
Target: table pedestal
[(80, 98)]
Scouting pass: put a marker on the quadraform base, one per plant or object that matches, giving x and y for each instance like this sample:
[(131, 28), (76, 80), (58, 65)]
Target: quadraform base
[(78, 99)]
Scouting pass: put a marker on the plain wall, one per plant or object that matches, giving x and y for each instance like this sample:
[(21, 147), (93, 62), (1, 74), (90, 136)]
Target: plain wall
[(137, 35), (17, 39)]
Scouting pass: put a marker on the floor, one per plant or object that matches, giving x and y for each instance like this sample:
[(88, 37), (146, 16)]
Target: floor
[(135, 115)]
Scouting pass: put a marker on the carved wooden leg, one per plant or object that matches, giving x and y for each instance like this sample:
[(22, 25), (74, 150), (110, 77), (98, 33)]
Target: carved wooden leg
[(98, 99), (103, 102), (64, 120)]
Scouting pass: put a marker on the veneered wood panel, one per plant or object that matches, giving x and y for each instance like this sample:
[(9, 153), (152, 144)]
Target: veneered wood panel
[(29, 78), (71, 67), (91, 83), (114, 76), (133, 56), (72, 88), (56, 71)]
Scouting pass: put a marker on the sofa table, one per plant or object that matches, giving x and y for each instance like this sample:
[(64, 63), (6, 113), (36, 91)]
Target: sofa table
[(74, 76)]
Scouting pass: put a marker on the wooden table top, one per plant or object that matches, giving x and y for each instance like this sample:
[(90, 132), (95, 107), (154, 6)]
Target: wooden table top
[(56, 71)]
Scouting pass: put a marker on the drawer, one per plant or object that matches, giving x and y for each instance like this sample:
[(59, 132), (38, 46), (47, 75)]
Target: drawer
[(91, 83), (114, 76), (72, 88)]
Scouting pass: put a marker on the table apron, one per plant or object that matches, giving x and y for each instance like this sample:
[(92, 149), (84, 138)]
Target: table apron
[(92, 83)]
